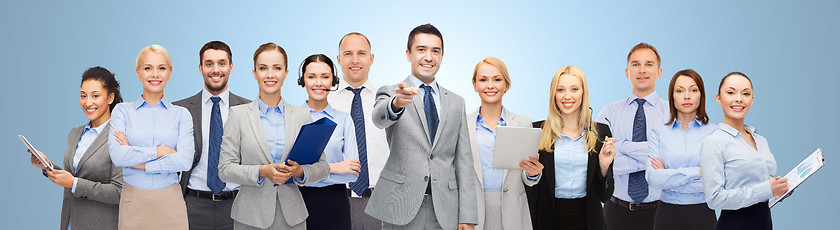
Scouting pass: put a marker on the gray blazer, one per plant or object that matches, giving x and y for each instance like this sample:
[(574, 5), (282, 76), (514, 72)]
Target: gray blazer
[(95, 205), (515, 214), (193, 104), (414, 160), (244, 149)]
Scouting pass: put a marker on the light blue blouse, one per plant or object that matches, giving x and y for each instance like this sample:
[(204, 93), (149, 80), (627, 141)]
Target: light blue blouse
[(679, 150), (341, 146), (570, 161)]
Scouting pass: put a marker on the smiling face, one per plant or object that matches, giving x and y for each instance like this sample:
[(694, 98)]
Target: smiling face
[(95, 100), (490, 84), (686, 95), (425, 56), (316, 78), (153, 72), (568, 94), (270, 71), (355, 58), (643, 71), (215, 67), (735, 97)]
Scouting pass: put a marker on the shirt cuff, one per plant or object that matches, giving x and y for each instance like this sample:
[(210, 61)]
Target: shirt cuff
[(533, 178), (394, 115), (75, 181), (301, 180)]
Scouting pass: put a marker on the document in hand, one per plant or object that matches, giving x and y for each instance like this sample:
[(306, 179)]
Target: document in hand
[(514, 144), (311, 141), (801, 172), (35, 152)]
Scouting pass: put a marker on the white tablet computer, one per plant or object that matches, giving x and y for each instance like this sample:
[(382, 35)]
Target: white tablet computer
[(35, 152), (514, 144)]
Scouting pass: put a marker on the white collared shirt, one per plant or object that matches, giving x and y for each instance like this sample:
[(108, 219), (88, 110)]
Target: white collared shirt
[(198, 178), (377, 146)]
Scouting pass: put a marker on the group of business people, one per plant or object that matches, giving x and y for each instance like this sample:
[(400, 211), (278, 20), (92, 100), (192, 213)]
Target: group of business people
[(408, 156)]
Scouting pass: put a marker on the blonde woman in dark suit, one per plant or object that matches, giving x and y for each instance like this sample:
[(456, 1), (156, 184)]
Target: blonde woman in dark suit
[(91, 182)]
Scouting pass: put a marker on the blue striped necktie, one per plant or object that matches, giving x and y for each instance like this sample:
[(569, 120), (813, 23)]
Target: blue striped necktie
[(432, 118), (358, 115), (215, 144), (637, 186)]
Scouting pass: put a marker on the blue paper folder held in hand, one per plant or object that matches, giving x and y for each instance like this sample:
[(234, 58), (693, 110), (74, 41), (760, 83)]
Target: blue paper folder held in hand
[(311, 141)]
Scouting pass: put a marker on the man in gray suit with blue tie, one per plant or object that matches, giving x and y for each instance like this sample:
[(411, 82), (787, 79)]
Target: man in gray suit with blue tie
[(208, 199), (428, 180)]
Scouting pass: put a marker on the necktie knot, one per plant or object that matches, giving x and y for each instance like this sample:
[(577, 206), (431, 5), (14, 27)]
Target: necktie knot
[(426, 88), (355, 91), (640, 102), (215, 99)]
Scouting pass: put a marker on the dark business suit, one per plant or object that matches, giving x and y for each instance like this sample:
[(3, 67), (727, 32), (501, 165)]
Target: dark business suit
[(599, 188), (203, 211), (95, 205)]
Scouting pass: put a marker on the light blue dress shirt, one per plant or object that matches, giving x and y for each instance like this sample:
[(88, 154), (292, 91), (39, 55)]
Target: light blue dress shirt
[(679, 150), (342, 145), (87, 138), (492, 179), (632, 156), (148, 126), (198, 178), (734, 174), (570, 162), (422, 93), (273, 120)]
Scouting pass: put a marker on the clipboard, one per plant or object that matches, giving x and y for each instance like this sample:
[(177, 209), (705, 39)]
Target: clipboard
[(514, 144), (32, 149), (310, 142), (800, 173)]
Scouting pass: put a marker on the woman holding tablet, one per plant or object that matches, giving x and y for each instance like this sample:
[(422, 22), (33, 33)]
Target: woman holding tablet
[(153, 142), (502, 203), (255, 147), (91, 182), (737, 164), (675, 157), (579, 154)]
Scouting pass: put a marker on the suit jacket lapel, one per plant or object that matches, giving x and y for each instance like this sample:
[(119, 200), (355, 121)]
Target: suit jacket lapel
[(101, 140), (417, 101), (471, 126), (70, 153), (256, 125), (444, 104), (290, 133), (194, 107)]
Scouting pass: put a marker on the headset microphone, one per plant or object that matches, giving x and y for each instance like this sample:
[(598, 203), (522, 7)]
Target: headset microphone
[(332, 90)]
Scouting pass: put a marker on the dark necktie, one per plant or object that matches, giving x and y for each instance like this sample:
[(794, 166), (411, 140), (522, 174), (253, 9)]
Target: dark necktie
[(432, 119), (215, 144), (358, 115), (637, 186)]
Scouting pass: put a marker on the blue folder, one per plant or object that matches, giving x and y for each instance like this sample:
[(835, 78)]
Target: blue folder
[(311, 141)]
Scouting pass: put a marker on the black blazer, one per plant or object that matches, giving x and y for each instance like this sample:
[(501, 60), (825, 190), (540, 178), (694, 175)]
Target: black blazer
[(599, 188), (193, 104)]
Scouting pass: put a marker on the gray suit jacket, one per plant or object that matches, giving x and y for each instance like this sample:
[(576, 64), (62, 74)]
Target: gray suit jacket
[(244, 149), (414, 160), (193, 104), (95, 205), (515, 214)]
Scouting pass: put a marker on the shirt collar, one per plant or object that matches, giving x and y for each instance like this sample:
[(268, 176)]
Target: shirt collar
[(416, 82), (140, 102), (651, 98), (734, 132), (692, 124), (329, 110), (97, 129), (264, 108), (502, 119), (368, 86), (205, 96)]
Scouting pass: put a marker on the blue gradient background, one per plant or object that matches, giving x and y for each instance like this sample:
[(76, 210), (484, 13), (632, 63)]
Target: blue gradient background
[(789, 50)]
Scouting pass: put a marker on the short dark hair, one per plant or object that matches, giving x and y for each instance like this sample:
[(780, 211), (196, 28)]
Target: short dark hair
[(731, 74), (272, 46), (109, 82), (317, 58), (424, 29), (645, 46), (701, 111), (216, 45), (353, 33)]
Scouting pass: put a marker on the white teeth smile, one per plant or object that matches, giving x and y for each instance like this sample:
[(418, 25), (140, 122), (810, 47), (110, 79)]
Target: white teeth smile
[(490, 93), (270, 82), (90, 110), (737, 108), (427, 66), (355, 68)]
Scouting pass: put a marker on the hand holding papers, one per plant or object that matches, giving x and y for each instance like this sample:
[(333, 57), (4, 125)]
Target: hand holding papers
[(310, 142), (514, 144), (800, 173)]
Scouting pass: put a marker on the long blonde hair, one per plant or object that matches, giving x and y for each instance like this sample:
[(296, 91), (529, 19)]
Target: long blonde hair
[(553, 124)]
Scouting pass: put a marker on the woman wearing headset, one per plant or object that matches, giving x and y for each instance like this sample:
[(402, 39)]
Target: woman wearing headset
[(326, 200), (91, 182)]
